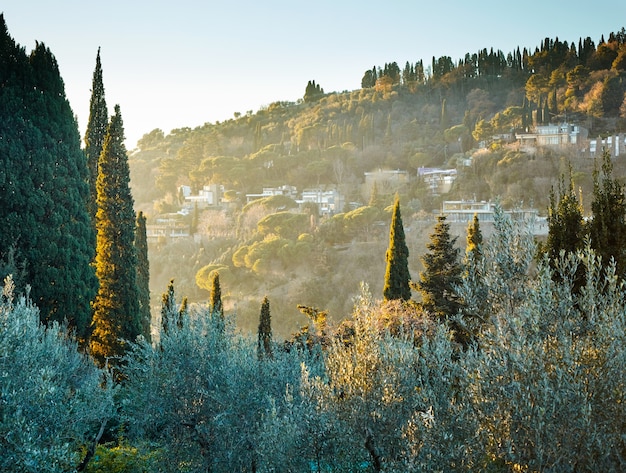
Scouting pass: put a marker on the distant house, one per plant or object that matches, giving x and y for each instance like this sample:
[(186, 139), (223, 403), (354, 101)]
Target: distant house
[(553, 135), (616, 145), (439, 181), (463, 211), (329, 202), (289, 191), (208, 196), (167, 226)]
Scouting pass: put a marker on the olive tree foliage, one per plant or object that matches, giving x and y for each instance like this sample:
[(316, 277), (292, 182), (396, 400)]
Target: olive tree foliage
[(548, 379), (53, 399), (499, 280), (201, 396)]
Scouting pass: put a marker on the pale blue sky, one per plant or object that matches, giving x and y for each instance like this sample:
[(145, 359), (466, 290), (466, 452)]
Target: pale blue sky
[(188, 62)]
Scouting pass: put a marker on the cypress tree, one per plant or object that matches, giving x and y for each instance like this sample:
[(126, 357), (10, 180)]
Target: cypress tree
[(116, 308), (46, 229), (95, 133), (264, 344), (168, 308), (474, 240), (143, 275), (216, 308), (397, 275), (442, 273), (608, 225)]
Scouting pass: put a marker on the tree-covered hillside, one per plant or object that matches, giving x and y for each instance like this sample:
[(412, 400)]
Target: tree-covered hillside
[(460, 115)]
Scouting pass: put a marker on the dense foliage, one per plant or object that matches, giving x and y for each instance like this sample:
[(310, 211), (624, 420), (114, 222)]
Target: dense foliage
[(47, 238), (117, 318), (53, 400)]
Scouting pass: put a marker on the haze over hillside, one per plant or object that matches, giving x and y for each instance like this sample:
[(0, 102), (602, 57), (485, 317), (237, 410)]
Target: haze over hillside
[(464, 117)]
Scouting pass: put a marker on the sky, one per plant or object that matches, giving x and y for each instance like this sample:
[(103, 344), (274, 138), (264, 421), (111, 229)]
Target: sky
[(184, 63)]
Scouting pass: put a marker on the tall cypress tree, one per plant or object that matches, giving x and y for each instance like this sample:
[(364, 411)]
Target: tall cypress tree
[(46, 229), (608, 225), (95, 133), (442, 273), (216, 307), (168, 308), (116, 309), (397, 275), (143, 275), (264, 344)]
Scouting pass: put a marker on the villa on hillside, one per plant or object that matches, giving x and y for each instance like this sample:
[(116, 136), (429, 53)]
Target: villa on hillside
[(463, 211), (553, 135), (329, 201), (439, 181), (616, 145), (288, 191)]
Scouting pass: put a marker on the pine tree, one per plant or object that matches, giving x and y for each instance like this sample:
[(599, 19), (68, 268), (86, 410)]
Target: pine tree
[(143, 275), (397, 275), (264, 344), (46, 229), (116, 308), (442, 273), (216, 308), (95, 133), (608, 225)]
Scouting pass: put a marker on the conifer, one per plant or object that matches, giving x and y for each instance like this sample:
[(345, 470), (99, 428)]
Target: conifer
[(216, 308), (474, 240), (143, 275), (116, 308), (46, 229), (566, 225), (397, 276), (264, 344), (442, 273), (608, 225), (168, 307), (95, 133)]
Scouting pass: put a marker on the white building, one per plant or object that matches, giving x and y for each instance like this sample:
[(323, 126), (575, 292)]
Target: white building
[(553, 135), (208, 196), (439, 181), (328, 201), (288, 191), (459, 211)]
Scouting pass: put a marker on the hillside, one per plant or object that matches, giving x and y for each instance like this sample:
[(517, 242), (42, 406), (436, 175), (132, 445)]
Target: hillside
[(459, 115)]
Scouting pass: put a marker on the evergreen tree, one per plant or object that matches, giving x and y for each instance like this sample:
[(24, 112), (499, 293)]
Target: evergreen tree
[(566, 225), (474, 303), (397, 277), (143, 275), (215, 304), (46, 229), (117, 319), (95, 133), (442, 273), (608, 225), (168, 308), (264, 344), (474, 240)]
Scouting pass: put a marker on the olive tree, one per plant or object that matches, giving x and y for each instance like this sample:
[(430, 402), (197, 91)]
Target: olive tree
[(54, 401)]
